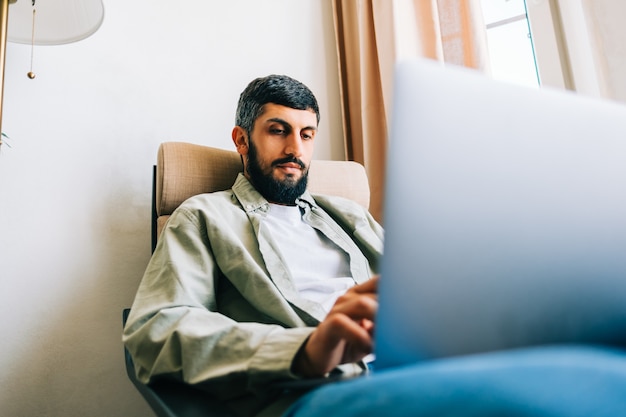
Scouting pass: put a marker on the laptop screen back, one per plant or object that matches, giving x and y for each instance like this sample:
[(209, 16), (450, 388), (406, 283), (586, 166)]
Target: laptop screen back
[(505, 218)]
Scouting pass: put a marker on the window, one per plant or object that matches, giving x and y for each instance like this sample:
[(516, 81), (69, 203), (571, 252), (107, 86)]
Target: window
[(509, 42)]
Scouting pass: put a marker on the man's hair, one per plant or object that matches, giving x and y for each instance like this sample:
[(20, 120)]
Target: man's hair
[(277, 89)]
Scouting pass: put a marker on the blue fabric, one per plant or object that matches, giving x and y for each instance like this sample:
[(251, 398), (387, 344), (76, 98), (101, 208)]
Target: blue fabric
[(570, 381)]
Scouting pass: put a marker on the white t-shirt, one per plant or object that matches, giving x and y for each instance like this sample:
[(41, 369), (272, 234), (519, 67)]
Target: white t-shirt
[(320, 268)]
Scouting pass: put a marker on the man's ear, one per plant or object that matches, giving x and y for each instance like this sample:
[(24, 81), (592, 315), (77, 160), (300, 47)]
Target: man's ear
[(240, 139)]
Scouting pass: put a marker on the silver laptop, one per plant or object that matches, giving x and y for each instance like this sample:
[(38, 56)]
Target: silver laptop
[(505, 218)]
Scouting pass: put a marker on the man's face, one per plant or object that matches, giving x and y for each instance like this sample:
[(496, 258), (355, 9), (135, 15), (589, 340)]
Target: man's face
[(278, 152)]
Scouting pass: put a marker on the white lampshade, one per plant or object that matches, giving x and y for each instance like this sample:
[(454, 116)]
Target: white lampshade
[(56, 21)]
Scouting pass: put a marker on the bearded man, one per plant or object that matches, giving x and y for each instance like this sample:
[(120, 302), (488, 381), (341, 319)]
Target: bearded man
[(263, 282)]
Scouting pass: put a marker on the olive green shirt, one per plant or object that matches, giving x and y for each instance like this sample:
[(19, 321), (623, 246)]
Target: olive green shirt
[(217, 305)]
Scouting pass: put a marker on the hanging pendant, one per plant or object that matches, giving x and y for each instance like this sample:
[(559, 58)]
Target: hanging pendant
[(30, 73)]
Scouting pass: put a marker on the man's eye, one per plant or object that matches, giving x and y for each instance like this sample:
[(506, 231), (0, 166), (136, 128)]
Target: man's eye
[(276, 131)]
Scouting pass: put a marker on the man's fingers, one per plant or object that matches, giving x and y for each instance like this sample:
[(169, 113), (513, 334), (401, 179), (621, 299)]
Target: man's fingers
[(338, 339), (356, 307), (342, 328), (369, 286)]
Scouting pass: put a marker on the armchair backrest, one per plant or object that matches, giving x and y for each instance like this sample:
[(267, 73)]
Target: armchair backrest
[(185, 169)]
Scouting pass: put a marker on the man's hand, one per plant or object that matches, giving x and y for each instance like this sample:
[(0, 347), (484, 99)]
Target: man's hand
[(345, 335)]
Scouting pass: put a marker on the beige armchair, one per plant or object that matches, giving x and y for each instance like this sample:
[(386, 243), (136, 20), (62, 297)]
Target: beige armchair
[(185, 169)]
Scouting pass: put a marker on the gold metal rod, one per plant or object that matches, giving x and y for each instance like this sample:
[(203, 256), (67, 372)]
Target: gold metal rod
[(4, 22)]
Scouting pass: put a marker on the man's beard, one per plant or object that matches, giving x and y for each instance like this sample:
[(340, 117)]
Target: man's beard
[(276, 191)]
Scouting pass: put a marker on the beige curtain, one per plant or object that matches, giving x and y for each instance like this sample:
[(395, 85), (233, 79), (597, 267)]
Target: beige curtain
[(372, 35)]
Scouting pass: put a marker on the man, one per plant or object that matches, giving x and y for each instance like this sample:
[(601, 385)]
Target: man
[(263, 282)]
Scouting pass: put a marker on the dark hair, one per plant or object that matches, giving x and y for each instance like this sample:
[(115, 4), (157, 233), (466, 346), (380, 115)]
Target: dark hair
[(277, 89)]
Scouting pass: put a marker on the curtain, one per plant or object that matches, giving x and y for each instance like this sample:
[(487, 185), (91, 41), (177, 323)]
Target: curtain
[(372, 35)]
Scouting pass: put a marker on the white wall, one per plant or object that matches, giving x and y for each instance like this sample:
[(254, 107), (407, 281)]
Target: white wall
[(75, 186)]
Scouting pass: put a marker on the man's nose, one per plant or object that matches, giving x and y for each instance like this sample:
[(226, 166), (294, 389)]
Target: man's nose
[(294, 145)]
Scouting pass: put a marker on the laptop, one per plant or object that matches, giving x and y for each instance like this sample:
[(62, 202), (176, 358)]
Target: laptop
[(504, 215)]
